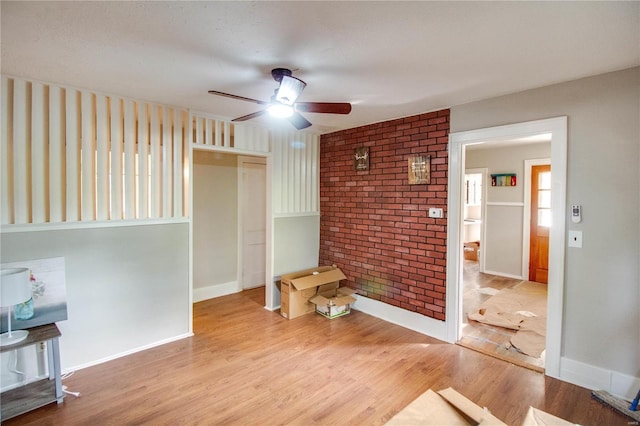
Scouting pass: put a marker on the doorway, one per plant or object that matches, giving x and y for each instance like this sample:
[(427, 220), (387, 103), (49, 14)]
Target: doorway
[(540, 222), (556, 129), (229, 223), (252, 227)]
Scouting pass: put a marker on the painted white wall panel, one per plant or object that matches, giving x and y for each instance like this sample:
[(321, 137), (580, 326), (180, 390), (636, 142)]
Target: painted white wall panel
[(6, 164), (127, 287)]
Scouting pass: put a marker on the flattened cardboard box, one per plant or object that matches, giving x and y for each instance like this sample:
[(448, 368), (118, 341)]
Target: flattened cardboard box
[(298, 287), (335, 302)]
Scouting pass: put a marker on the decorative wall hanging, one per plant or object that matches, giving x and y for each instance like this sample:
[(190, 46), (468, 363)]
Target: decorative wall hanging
[(48, 302), (503, 179), (361, 158), (419, 169)]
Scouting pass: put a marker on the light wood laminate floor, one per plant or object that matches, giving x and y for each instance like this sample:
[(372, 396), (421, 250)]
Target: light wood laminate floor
[(249, 366)]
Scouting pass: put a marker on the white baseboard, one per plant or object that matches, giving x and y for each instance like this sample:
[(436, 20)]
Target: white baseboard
[(216, 290), (129, 352), (596, 378), (407, 319)]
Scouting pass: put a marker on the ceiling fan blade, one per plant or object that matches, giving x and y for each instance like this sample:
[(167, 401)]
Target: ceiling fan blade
[(250, 116), (298, 121), (241, 98), (325, 107)]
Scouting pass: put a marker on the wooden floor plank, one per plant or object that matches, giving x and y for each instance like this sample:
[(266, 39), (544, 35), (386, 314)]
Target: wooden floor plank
[(248, 366)]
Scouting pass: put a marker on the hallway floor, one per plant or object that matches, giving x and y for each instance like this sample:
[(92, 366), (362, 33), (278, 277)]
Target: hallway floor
[(490, 340)]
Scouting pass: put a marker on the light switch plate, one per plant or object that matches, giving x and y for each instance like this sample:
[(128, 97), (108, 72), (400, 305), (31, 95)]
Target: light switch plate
[(575, 239), (435, 212)]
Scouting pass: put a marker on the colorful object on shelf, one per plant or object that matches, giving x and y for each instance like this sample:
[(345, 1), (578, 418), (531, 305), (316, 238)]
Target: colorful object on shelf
[(503, 179)]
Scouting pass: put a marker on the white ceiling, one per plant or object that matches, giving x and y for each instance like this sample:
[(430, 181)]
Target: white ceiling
[(390, 59)]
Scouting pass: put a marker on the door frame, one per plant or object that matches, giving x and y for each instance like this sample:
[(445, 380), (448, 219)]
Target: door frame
[(483, 212), (557, 127), (526, 229), (241, 161)]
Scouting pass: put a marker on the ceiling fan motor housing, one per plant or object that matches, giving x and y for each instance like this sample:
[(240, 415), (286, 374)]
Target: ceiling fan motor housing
[(278, 73)]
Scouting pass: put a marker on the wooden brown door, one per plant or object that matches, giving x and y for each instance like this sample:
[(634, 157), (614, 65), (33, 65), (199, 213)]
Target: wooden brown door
[(540, 222)]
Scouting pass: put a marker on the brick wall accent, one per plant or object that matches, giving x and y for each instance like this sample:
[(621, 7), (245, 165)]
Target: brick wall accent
[(374, 225)]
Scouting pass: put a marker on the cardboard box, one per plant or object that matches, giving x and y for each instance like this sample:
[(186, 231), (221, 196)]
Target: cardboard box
[(335, 302), (298, 287), (471, 251)]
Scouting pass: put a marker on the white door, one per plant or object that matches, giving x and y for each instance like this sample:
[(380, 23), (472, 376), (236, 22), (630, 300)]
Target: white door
[(253, 225)]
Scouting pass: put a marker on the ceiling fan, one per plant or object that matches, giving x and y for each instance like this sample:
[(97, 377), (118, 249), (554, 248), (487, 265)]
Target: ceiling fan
[(283, 102)]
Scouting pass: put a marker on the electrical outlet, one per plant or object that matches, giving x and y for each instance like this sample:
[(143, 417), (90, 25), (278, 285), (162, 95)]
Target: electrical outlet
[(575, 239)]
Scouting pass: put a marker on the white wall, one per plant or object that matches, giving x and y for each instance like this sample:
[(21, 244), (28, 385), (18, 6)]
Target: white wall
[(601, 332), (503, 244), (215, 224), (296, 243), (127, 286)]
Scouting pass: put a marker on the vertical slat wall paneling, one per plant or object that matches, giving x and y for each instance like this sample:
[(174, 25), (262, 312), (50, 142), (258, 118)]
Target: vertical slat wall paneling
[(143, 160), (21, 143), (156, 165), (116, 158), (186, 175), (6, 153), (227, 134), (295, 172), (129, 159), (72, 157), (208, 135), (296, 146), (217, 133), (177, 163), (167, 152), (314, 190), (250, 138), (57, 195), (304, 175), (68, 155), (87, 166), (198, 131), (39, 151), (291, 176), (278, 174), (102, 158), (283, 171)]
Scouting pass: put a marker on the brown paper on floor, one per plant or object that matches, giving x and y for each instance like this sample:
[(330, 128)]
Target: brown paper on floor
[(522, 308), (429, 409), (529, 342), (537, 417)]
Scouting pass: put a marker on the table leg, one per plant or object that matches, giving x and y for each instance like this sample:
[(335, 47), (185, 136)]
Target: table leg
[(55, 349)]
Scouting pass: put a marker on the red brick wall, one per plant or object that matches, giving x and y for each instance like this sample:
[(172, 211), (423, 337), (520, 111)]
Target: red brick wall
[(374, 225)]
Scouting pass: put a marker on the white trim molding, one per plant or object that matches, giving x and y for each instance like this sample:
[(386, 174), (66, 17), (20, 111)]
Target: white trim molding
[(458, 141)]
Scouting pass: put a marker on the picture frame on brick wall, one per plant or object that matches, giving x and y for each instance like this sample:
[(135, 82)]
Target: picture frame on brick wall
[(419, 169), (361, 158)]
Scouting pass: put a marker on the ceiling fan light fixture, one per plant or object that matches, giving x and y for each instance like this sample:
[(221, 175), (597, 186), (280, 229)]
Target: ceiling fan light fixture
[(280, 110), (289, 90)]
